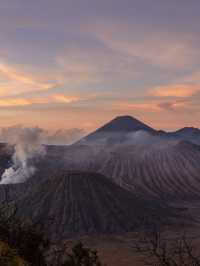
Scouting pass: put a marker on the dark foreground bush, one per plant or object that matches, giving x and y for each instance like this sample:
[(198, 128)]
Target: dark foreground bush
[(10, 257), (25, 239), (158, 250), (82, 256)]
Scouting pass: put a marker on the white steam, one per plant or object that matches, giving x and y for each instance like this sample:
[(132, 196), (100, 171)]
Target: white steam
[(28, 147)]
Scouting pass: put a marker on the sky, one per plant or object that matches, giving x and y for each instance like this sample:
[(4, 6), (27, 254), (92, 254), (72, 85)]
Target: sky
[(76, 64)]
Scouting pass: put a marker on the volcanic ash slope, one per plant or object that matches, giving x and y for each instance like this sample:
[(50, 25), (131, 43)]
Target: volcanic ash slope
[(79, 203)]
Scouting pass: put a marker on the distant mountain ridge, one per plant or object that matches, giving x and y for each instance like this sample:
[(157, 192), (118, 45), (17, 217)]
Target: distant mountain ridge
[(190, 134), (120, 127), (190, 130)]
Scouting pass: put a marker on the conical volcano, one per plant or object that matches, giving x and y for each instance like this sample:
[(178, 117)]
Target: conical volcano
[(117, 130), (77, 202), (124, 124)]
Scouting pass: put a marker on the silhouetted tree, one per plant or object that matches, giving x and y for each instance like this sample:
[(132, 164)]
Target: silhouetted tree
[(82, 256), (159, 251)]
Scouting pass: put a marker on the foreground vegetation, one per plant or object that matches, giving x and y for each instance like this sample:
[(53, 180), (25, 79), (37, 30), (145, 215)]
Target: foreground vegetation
[(25, 244), (156, 250), (82, 256), (21, 243), (10, 257)]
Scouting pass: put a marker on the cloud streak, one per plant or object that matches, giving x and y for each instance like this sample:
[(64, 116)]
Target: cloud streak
[(54, 98), (15, 81), (176, 90), (159, 48), (153, 106)]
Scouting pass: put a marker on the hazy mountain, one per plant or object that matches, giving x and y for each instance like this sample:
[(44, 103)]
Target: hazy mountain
[(121, 128), (188, 133)]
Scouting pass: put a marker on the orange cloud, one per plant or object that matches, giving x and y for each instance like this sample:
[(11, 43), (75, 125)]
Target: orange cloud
[(13, 74), (58, 98), (14, 102), (178, 90), (152, 106), (67, 71), (15, 81), (143, 106), (65, 99), (138, 106)]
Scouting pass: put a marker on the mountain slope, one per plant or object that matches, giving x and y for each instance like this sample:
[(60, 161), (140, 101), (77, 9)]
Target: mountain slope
[(165, 170), (75, 202), (151, 168)]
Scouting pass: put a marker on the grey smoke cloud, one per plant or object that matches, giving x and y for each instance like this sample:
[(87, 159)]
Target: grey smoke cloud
[(115, 139), (58, 137), (27, 143), (95, 152), (28, 146)]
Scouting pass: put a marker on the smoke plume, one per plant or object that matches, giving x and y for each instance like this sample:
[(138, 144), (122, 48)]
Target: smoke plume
[(27, 143)]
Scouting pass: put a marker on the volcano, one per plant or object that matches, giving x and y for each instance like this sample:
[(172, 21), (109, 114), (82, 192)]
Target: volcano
[(141, 159), (80, 202), (116, 130), (124, 124), (114, 180)]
